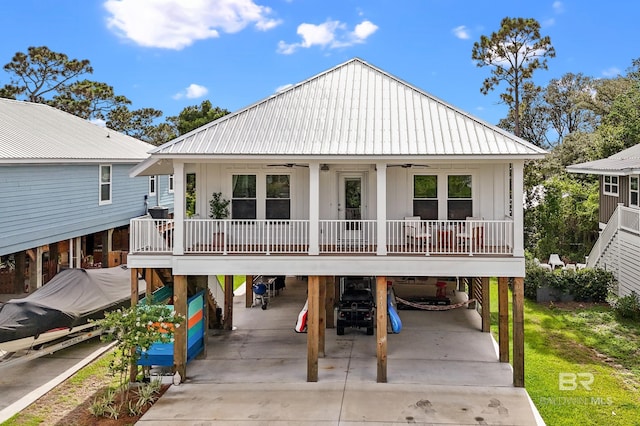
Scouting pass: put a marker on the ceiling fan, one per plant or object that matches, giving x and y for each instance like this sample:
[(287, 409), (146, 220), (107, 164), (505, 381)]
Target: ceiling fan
[(290, 165), (407, 165)]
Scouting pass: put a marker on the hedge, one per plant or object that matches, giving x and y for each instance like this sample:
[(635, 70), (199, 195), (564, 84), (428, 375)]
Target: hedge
[(586, 285)]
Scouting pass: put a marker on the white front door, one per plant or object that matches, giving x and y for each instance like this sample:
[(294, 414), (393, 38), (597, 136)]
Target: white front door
[(351, 206)]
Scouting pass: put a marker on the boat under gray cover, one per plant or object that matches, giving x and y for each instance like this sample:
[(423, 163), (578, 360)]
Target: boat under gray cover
[(70, 299)]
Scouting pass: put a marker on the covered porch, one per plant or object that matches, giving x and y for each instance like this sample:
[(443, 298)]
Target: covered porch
[(353, 207), (409, 236)]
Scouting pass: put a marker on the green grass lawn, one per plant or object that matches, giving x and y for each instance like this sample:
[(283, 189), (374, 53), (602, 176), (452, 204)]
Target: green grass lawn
[(582, 365)]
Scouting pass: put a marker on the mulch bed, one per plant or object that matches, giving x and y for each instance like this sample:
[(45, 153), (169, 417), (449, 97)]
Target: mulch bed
[(81, 416)]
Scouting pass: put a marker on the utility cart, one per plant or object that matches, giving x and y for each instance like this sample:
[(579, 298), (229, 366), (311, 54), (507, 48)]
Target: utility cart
[(356, 307)]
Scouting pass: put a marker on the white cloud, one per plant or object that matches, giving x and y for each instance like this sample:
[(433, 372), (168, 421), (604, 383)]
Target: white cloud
[(611, 72), (461, 32), (193, 91), (176, 24), (98, 122), (558, 7), (364, 29), (283, 87), (321, 35), (331, 34)]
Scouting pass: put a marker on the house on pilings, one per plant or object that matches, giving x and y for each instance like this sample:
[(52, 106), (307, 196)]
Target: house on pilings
[(618, 244), (66, 198), (352, 172)]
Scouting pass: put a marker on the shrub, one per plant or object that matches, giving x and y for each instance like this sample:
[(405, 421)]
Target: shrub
[(135, 329), (627, 306), (586, 285), (592, 285)]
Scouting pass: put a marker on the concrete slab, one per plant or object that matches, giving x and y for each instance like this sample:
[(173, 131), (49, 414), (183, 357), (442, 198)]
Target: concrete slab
[(441, 370), (427, 404), (25, 383)]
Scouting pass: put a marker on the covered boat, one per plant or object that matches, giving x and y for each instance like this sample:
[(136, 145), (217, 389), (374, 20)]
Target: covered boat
[(65, 303)]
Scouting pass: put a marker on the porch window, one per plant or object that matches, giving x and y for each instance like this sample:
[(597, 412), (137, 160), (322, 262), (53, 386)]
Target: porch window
[(633, 191), (243, 201), (459, 200), (152, 185), (278, 202), (425, 196), (610, 185), (105, 185)]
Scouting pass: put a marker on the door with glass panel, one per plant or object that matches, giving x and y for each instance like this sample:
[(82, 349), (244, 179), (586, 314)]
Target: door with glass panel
[(350, 208)]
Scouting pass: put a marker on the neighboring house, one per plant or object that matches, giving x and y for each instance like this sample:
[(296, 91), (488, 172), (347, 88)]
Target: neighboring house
[(351, 172), (66, 197), (618, 246)]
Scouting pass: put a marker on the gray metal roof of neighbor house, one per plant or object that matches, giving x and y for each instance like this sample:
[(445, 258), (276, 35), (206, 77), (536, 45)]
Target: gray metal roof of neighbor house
[(355, 110), (38, 133), (625, 162)]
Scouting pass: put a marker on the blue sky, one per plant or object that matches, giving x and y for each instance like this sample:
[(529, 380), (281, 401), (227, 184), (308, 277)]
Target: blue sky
[(167, 55)]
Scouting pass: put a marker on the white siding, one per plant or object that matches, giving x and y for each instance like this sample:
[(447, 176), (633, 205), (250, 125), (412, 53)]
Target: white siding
[(622, 257), (489, 187), (629, 265)]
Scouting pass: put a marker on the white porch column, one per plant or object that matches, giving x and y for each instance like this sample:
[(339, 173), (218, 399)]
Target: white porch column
[(71, 260), (179, 192), (39, 252), (381, 208), (314, 208), (109, 244), (518, 212), (78, 252)]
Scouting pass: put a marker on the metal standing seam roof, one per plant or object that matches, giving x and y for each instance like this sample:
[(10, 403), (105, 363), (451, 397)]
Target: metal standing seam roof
[(624, 162), (352, 109), (37, 133)]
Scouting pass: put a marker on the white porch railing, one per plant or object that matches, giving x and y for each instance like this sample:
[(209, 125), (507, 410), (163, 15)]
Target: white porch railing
[(622, 218), (457, 237), (230, 236), (151, 235), (630, 219), (348, 236), (246, 236)]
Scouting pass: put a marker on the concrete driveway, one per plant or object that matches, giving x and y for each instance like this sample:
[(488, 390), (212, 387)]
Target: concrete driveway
[(441, 370)]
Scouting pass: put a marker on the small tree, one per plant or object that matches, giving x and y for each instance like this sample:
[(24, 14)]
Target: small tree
[(218, 206)]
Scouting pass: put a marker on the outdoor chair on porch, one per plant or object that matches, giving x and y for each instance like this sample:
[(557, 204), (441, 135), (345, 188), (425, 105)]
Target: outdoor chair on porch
[(417, 233), (471, 236)]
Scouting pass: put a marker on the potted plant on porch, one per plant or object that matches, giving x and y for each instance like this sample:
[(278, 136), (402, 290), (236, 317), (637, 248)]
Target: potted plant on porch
[(218, 209)]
